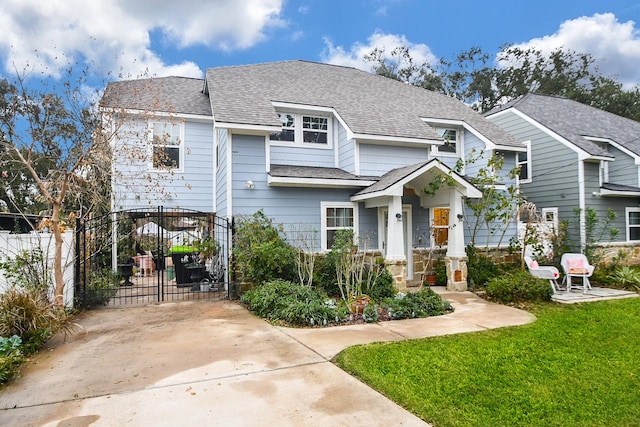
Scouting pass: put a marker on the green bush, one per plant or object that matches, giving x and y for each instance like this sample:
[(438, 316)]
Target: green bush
[(424, 303), (626, 277), (325, 275), (102, 286), (480, 268), (293, 303), (11, 357), (518, 286), (380, 287), (260, 251)]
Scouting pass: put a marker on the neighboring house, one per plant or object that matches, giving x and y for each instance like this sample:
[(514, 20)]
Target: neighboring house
[(577, 157), (327, 146)]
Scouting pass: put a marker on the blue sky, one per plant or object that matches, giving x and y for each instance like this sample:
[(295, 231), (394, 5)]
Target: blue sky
[(185, 38)]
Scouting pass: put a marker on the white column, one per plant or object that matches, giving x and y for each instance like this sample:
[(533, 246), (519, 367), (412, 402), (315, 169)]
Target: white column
[(395, 237), (455, 247)]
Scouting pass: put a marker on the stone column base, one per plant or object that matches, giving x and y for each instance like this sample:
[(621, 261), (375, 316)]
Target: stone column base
[(398, 270), (456, 273)]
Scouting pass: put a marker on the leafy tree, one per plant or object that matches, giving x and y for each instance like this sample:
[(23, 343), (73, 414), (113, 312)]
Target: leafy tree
[(471, 78)]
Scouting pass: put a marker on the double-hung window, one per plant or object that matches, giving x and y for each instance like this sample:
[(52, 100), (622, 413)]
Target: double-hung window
[(336, 216), (450, 137), (303, 129), (524, 163), (633, 224), (167, 147)]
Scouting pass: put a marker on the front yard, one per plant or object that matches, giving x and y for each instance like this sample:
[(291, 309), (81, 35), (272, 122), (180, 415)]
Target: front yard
[(577, 365)]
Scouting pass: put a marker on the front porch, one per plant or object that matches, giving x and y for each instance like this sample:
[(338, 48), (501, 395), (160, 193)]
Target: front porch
[(406, 199)]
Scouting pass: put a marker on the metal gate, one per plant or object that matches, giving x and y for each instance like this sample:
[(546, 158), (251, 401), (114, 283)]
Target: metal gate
[(145, 256)]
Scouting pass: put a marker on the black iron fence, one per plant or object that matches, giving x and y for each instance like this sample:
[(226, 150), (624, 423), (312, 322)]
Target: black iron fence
[(144, 256)]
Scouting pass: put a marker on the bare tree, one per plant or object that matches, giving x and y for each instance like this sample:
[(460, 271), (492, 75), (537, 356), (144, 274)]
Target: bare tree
[(56, 124)]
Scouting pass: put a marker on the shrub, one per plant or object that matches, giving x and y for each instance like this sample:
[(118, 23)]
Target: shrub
[(626, 277), (325, 275), (424, 303), (261, 253), (293, 303), (28, 314), (11, 357), (102, 286), (480, 268), (380, 287), (518, 286)]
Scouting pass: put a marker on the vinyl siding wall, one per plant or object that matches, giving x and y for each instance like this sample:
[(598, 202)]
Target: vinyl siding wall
[(135, 186), (377, 160), (222, 205)]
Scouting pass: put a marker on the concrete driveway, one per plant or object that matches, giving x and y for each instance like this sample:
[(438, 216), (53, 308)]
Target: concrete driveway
[(213, 363)]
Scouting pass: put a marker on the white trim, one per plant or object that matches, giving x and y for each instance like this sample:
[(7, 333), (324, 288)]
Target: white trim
[(582, 204), (356, 154), (156, 114), (299, 130), (244, 126), (229, 175), (181, 147), (323, 220), (605, 192), (615, 144), (582, 155), (627, 210), (215, 162), (490, 145), (267, 155), (529, 163)]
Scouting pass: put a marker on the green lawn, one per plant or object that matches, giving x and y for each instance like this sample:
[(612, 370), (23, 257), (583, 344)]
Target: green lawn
[(577, 365)]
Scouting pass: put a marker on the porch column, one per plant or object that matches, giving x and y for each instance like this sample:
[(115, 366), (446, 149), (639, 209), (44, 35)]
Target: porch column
[(456, 257), (395, 260), (395, 239)]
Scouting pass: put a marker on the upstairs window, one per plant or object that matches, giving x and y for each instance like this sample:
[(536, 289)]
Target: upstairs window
[(303, 129), (524, 163), (450, 137), (166, 146)]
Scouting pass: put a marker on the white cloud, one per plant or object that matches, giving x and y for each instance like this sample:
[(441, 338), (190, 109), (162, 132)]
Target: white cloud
[(114, 35), (614, 45), (354, 57)]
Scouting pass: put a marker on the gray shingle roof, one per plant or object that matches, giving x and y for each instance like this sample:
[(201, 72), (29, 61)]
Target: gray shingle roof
[(167, 94), (575, 121), (287, 171), (391, 177), (369, 104)]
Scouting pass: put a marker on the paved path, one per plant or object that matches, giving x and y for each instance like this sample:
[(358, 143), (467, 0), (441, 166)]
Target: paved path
[(214, 364)]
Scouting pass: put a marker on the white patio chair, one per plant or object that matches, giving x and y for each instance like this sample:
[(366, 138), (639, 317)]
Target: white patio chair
[(576, 265), (547, 272)]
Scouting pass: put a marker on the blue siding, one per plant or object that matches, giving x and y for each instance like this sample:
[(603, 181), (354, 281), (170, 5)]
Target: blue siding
[(135, 186), (379, 159), (623, 170), (346, 151), (302, 156), (222, 204)]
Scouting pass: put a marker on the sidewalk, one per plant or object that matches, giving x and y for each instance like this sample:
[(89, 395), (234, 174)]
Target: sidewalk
[(213, 363)]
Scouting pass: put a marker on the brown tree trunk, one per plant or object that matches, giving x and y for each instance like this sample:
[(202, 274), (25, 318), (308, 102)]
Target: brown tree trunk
[(57, 260)]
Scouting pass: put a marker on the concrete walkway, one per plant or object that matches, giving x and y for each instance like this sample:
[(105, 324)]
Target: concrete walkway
[(214, 364)]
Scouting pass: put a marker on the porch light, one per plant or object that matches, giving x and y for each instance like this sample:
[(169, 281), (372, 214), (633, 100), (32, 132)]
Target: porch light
[(460, 217), (249, 185), (399, 216)]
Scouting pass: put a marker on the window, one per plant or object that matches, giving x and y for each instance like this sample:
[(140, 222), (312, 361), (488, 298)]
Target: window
[(336, 216), (450, 137), (166, 145), (440, 229), (633, 224), (524, 163), (303, 129)]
